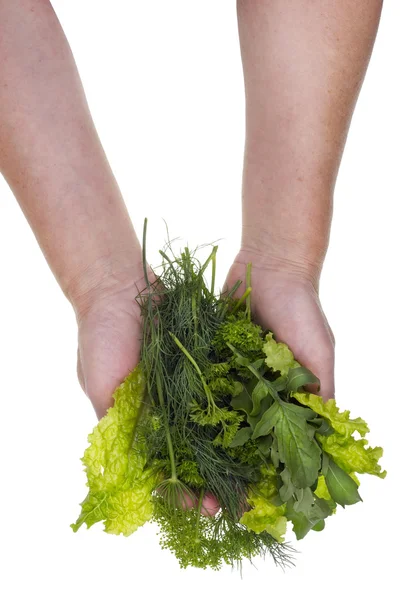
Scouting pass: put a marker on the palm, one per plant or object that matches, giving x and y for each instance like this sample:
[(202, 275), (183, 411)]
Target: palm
[(108, 345), (290, 308)]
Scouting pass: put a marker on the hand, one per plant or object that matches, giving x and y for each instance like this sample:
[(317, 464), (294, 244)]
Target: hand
[(286, 302), (109, 339)]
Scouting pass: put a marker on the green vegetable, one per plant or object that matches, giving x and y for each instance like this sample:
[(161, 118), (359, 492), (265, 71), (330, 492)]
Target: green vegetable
[(120, 486), (217, 406)]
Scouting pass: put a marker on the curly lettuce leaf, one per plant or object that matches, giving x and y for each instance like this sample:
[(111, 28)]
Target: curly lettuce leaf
[(265, 515), (279, 356), (353, 455), (339, 421), (350, 454), (119, 485)]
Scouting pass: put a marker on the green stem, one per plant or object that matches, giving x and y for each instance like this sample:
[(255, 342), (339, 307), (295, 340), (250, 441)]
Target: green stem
[(241, 300), (199, 505), (214, 270), (248, 286), (270, 387), (167, 431), (146, 276), (195, 317), (196, 366)]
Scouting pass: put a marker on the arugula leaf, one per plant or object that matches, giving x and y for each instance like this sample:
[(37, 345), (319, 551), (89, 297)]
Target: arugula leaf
[(341, 486), (260, 392), (323, 493), (119, 485), (242, 436), (243, 400), (300, 454), (267, 421), (286, 491), (299, 377), (303, 523), (279, 356)]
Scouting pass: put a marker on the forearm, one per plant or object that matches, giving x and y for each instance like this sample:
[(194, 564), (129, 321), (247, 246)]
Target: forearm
[(52, 158), (304, 63)]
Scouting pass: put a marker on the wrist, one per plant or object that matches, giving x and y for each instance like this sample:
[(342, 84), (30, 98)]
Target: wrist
[(105, 278), (296, 259)]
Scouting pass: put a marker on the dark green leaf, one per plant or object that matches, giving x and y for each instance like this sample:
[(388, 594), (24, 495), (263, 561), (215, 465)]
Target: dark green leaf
[(341, 486), (275, 453), (259, 392), (243, 400), (319, 526), (301, 456), (267, 421), (287, 489), (321, 426), (242, 436), (324, 464), (264, 406), (264, 443), (280, 383), (299, 377), (304, 501), (258, 364)]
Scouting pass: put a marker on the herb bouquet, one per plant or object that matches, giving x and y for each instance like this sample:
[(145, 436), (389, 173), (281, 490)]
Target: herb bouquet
[(217, 405)]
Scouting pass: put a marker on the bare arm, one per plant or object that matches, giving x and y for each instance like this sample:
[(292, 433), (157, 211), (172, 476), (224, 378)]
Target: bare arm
[(304, 62), (52, 157)]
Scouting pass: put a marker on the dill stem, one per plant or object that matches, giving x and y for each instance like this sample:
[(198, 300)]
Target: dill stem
[(214, 269), (146, 276), (195, 318), (212, 257), (199, 505), (167, 431), (241, 300), (196, 366), (248, 287)]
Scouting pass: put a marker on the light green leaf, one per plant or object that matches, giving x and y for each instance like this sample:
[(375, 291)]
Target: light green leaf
[(279, 356), (264, 515), (340, 421), (353, 455), (120, 488)]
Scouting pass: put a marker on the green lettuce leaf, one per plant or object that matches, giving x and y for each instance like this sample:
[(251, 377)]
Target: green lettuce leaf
[(340, 421), (279, 356), (322, 492), (353, 455), (265, 515), (119, 486)]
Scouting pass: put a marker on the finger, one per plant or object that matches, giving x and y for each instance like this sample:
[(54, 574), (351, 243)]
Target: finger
[(210, 505)]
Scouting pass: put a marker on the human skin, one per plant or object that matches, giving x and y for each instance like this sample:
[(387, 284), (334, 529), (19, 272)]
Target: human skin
[(303, 62), (303, 65)]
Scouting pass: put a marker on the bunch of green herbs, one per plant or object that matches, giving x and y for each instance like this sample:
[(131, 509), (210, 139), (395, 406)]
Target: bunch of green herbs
[(217, 405)]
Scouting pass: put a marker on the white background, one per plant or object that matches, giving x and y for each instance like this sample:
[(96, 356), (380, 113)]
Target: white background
[(164, 82)]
